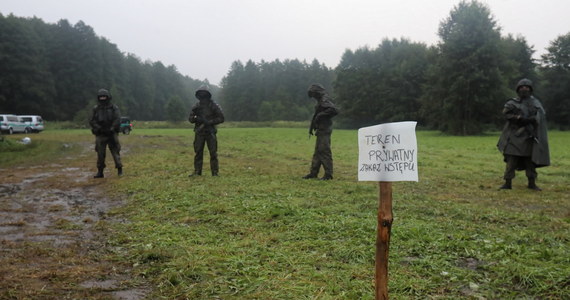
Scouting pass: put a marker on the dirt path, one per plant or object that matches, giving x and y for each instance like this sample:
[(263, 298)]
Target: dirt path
[(52, 234)]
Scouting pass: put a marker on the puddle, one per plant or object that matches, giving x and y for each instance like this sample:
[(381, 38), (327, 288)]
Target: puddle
[(52, 210), (113, 287), (104, 284), (34, 208), (130, 294)]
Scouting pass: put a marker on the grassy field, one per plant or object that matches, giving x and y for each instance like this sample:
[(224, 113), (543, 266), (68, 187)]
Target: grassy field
[(259, 231)]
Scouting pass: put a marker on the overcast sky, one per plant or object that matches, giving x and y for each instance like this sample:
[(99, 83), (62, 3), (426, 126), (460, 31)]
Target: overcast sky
[(203, 37)]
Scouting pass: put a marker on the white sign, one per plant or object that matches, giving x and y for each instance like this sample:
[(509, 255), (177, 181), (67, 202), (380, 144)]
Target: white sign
[(388, 152)]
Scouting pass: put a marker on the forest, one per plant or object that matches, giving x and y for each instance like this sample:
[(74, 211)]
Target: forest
[(55, 70), (457, 86)]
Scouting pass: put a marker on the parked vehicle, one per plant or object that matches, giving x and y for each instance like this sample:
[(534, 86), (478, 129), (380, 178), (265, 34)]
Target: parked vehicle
[(36, 123), (13, 124), (126, 125)]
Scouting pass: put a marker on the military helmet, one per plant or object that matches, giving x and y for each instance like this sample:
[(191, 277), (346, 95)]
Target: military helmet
[(316, 89), (103, 93), (203, 89), (524, 82)]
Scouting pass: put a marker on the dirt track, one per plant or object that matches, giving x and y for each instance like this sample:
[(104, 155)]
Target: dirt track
[(53, 221)]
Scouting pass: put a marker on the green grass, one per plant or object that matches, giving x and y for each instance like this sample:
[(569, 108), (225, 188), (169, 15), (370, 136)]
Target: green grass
[(261, 232), (55, 144), (182, 124)]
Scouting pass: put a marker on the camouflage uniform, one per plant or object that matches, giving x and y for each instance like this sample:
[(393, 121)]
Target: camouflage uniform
[(205, 115), (321, 124), (105, 124), (524, 140)]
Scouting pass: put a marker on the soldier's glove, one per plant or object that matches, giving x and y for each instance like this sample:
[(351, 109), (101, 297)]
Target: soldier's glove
[(526, 121), (96, 130), (200, 119), (533, 120)]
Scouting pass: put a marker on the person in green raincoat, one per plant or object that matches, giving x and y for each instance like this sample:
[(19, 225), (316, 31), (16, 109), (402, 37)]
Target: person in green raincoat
[(524, 140), (321, 126)]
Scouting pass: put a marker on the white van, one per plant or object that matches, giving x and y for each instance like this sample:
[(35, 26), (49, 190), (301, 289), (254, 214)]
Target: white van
[(12, 124), (36, 123)]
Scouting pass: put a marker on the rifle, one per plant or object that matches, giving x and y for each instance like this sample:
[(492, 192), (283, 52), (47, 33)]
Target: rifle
[(312, 128), (200, 121), (529, 125)]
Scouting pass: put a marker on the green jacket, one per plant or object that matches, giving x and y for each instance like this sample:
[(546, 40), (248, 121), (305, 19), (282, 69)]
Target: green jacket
[(525, 132), (322, 118), (205, 116), (105, 119)]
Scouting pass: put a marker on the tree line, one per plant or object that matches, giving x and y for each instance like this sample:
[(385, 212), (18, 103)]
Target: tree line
[(457, 86), (271, 90), (55, 70)]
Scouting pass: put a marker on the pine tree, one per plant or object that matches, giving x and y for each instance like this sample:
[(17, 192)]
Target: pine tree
[(465, 86)]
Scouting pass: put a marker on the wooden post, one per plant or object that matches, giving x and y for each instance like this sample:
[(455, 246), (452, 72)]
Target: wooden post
[(385, 219)]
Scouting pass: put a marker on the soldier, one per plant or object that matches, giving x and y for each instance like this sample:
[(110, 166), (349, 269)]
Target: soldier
[(205, 115), (321, 124), (524, 142), (105, 124)]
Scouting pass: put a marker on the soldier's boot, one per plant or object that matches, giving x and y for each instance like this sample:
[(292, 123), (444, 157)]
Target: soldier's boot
[(120, 171), (532, 184), (328, 166), (314, 170), (508, 185), (309, 176), (99, 173), (214, 166), (196, 173)]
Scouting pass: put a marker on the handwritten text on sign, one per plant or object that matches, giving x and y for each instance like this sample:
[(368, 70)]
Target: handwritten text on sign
[(388, 152)]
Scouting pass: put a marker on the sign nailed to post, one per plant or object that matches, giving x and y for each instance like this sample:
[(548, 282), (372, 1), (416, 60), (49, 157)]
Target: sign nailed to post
[(388, 152)]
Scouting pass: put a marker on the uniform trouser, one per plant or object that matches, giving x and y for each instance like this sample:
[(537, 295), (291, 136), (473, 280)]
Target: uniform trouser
[(514, 161), (101, 143), (322, 155), (199, 141)]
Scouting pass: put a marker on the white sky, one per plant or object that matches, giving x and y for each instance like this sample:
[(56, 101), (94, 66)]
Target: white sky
[(203, 37)]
